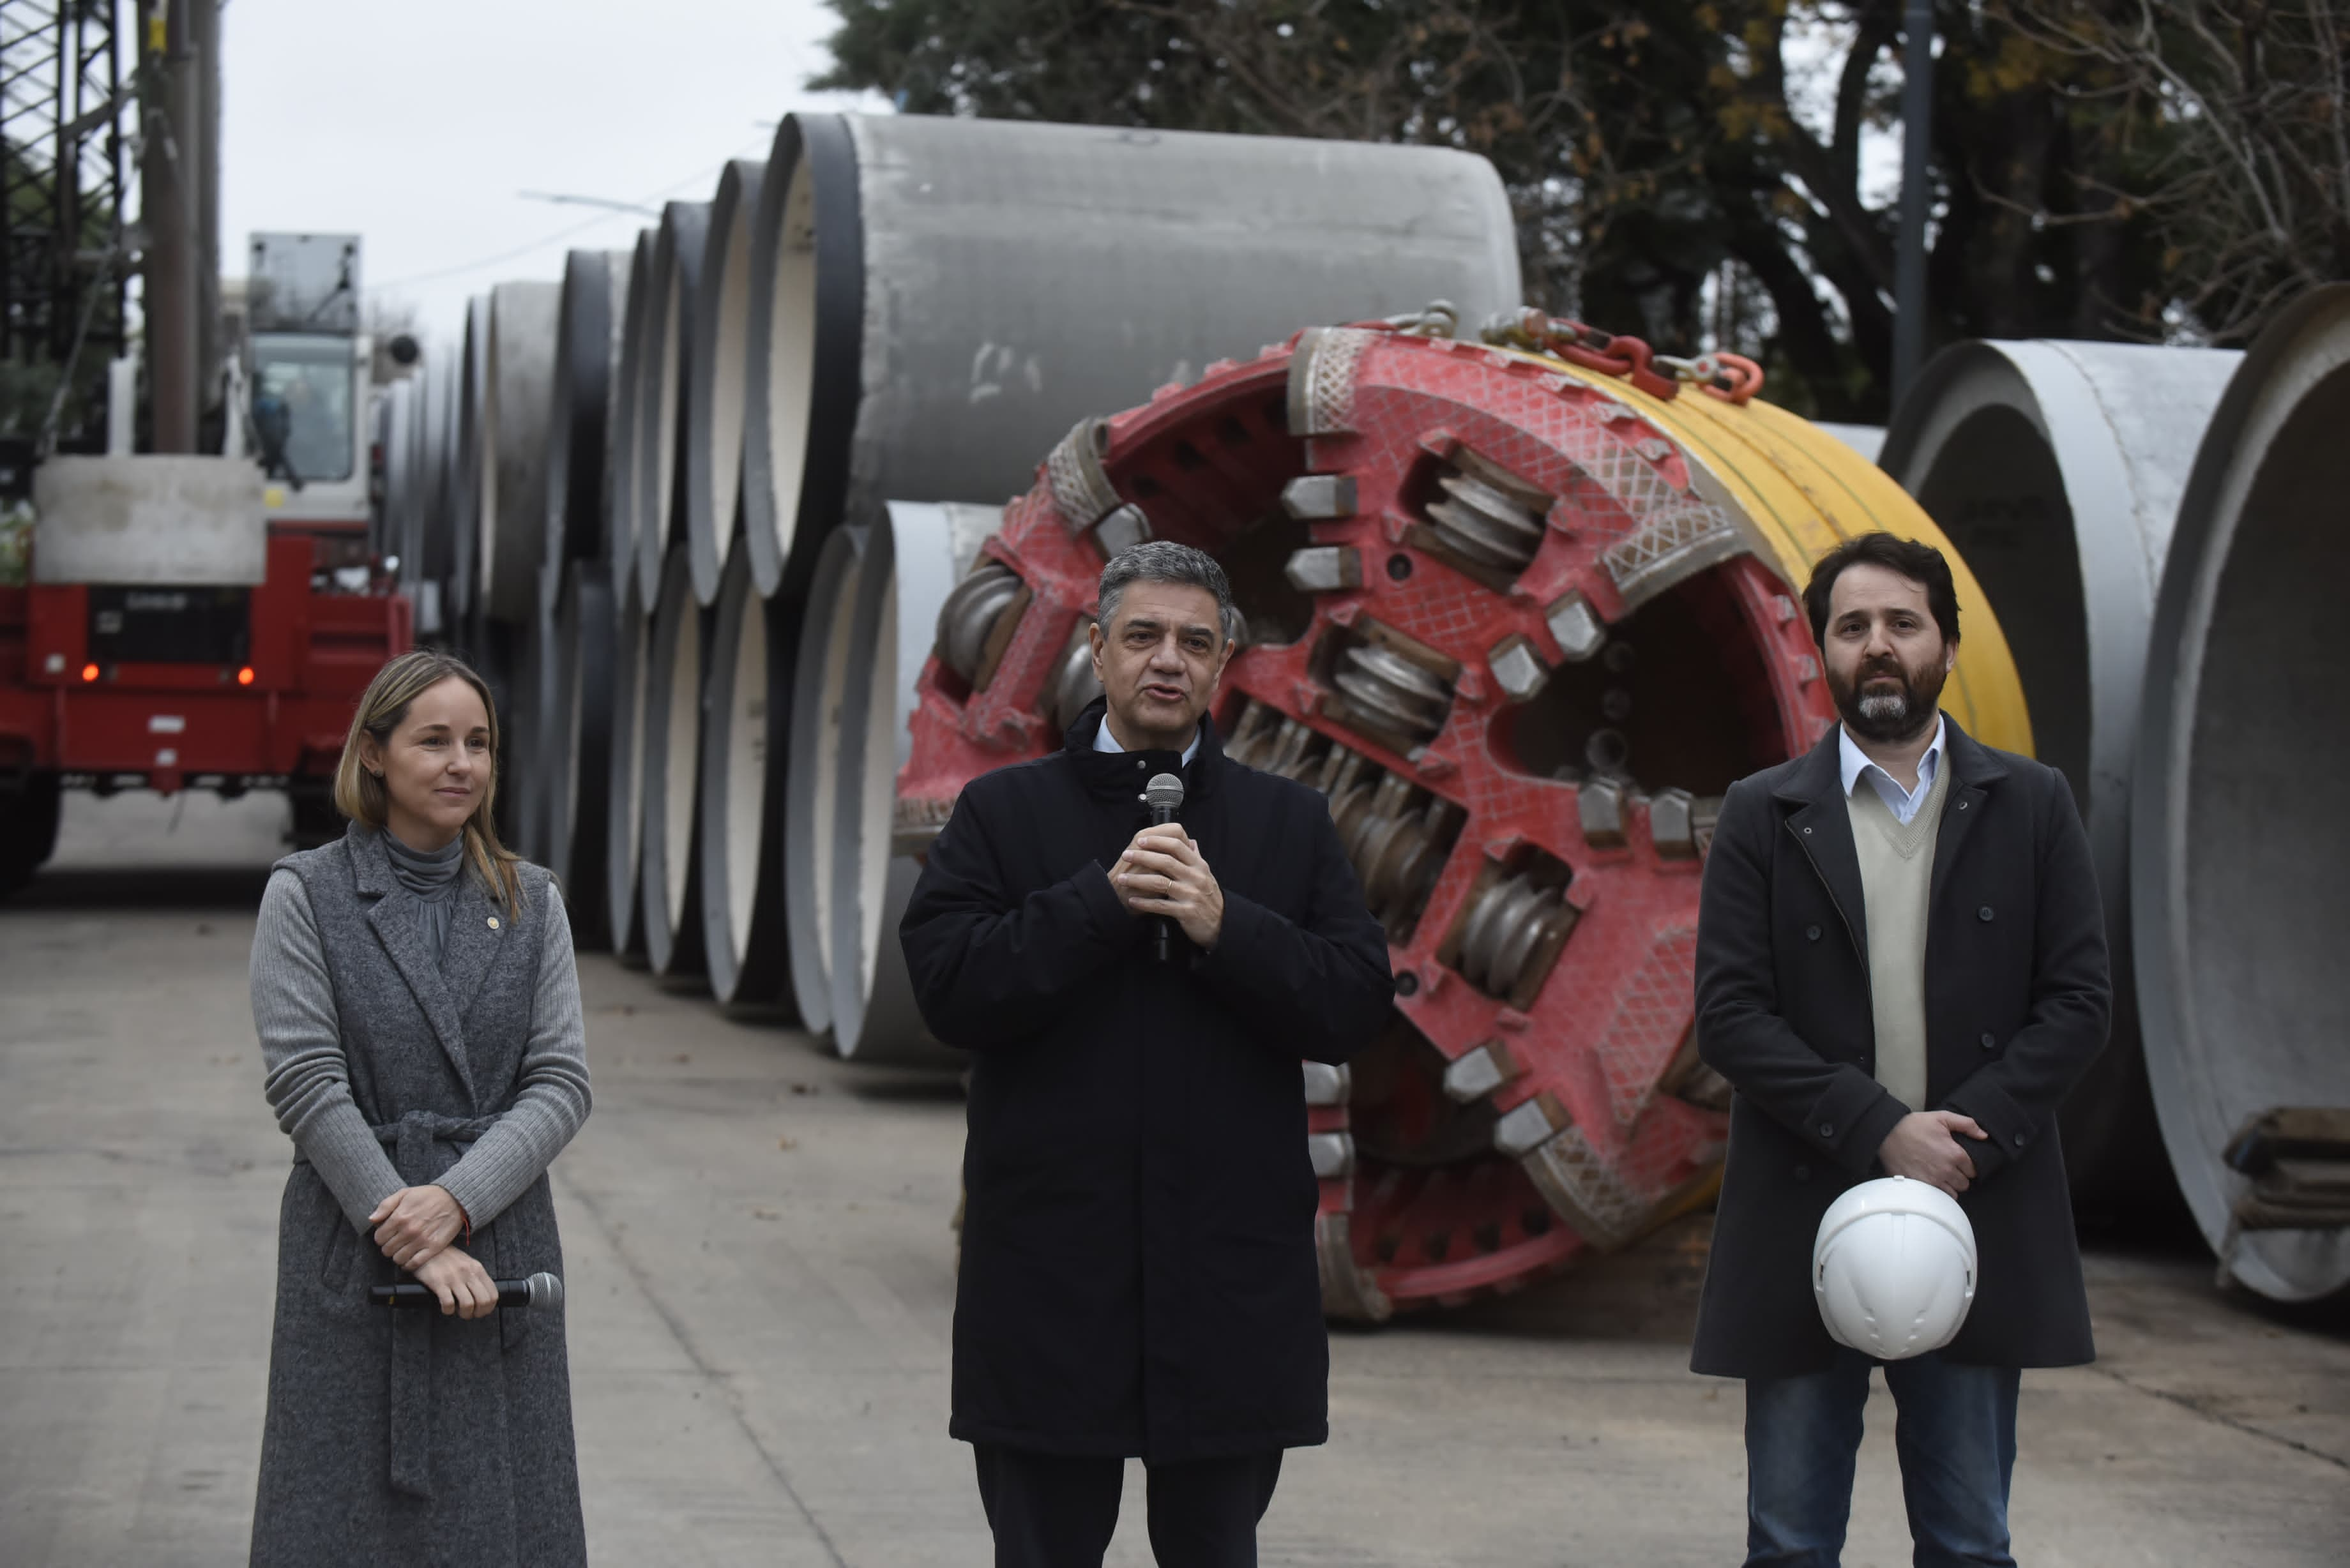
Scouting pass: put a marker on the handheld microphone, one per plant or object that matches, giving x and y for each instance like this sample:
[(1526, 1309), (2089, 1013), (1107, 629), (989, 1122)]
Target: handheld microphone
[(1164, 796), (539, 1291)]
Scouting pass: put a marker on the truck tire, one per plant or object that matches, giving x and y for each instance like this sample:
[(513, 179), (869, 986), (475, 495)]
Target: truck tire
[(315, 820), (28, 829)]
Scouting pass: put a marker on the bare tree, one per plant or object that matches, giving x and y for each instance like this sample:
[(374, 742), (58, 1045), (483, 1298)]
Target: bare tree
[(2241, 110)]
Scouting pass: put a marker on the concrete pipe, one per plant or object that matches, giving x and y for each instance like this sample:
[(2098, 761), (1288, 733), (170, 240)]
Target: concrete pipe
[(819, 694), (2240, 904), (529, 721), (624, 788), (664, 380), (620, 444), (388, 415), (717, 361), (935, 301), (1522, 623), (2055, 468), (516, 410), (675, 665), (913, 561), (432, 545), (466, 460), (743, 785), (578, 751), (587, 335)]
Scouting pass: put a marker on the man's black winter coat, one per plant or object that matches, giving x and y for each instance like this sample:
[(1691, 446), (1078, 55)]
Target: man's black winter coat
[(2017, 1003), (1137, 1247)]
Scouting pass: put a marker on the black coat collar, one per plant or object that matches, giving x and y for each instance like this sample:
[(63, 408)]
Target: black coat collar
[(1116, 772)]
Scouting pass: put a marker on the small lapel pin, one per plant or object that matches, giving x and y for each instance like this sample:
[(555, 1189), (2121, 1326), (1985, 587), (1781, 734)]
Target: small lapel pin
[(494, 922)]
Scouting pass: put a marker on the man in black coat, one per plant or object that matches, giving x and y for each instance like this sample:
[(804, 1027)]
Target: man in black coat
[(1138, 1277), (1901, 970)]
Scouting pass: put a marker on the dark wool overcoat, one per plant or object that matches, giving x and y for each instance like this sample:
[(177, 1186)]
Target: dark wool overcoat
[(410, 1437), (1138, 1248), (2017, 1001)]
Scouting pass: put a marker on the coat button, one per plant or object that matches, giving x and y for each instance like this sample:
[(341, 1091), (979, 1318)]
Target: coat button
[(1807, 833), (1828, 1129), (1984, 914), (1990, 1042), (1962, 805), (1138, 763), (494, 922), (2019, 1140), (1811, 933), (1803, 1173)]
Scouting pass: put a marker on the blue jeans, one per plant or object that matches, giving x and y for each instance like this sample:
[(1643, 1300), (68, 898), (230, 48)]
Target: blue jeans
[(1955, 1433)]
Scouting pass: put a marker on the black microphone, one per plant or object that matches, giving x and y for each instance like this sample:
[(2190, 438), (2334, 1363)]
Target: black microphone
[(1164, 796), (539, 1291)]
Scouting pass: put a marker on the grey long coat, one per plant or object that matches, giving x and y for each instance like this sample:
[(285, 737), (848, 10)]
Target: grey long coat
[(411, 1437)]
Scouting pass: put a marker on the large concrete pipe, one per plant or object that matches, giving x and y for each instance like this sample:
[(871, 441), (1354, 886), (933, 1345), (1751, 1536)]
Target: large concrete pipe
[(1523, 623), (622, 443), (624, 840), (467, 459), (529, 721), (578, 751), (433, 545), (392, 412), (827, 651), (2240, 904), (516, 411), (675, 666), (913, 559), (664, 376), (717, 361), (587, 336), (2056, 468), (935, 301), (746, 729)]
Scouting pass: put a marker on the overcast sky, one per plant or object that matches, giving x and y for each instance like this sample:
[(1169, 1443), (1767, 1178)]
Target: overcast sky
[(416, 124)]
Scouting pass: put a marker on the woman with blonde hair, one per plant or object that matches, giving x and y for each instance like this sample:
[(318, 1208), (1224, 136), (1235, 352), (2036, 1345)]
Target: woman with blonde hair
[(419, 1011)]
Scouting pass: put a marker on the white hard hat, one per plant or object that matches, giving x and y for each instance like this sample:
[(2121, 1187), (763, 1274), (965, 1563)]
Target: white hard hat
[(1894, 1267)]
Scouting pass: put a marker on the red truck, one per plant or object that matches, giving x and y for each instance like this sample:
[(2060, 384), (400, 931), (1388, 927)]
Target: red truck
[(206, 622)]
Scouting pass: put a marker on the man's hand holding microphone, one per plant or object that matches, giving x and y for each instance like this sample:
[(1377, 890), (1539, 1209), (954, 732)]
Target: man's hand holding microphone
[(1162, 873)]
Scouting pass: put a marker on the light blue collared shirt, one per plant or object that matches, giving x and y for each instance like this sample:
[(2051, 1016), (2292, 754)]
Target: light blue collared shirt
[(1903, 804), (1106, 742)]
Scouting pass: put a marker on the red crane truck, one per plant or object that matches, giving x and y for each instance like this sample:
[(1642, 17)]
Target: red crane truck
[(206, 621)]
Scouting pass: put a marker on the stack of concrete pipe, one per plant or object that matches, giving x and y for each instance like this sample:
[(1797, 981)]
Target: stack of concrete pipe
[(2155, 527), (908, 309), (2056, 470)]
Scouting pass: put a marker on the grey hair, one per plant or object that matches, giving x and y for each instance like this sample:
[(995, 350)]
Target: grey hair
[(1164, 561)]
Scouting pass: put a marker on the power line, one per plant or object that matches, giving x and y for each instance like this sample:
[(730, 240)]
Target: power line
[(561, 235)]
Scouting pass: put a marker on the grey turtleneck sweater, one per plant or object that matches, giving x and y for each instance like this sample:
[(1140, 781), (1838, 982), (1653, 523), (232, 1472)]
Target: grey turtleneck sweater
[(431, 875)]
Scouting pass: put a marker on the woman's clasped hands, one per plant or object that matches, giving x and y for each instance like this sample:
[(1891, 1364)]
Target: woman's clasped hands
[(414, 1227)]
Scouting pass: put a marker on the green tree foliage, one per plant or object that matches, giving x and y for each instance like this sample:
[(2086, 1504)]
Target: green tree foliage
[(1703, 173)]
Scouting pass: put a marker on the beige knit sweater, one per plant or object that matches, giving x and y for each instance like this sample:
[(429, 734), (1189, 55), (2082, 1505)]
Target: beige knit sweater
[(1897, 878)]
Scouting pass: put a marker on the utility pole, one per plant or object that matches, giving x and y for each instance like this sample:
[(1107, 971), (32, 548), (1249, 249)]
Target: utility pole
[(172, 201), (1917, 198)]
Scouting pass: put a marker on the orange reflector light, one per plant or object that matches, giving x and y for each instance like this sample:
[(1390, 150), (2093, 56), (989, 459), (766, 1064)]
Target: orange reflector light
[(90, 672), (244, 676)]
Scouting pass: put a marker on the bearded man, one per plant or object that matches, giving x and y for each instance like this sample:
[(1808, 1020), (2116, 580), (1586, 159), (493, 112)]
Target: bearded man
[(1138, 1276), (1900, 971)]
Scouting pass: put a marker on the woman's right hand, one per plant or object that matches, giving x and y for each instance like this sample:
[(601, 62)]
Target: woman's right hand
[(463, 1286)]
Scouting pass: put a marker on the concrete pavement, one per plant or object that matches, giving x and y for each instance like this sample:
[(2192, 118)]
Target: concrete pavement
[(761, 1285)]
